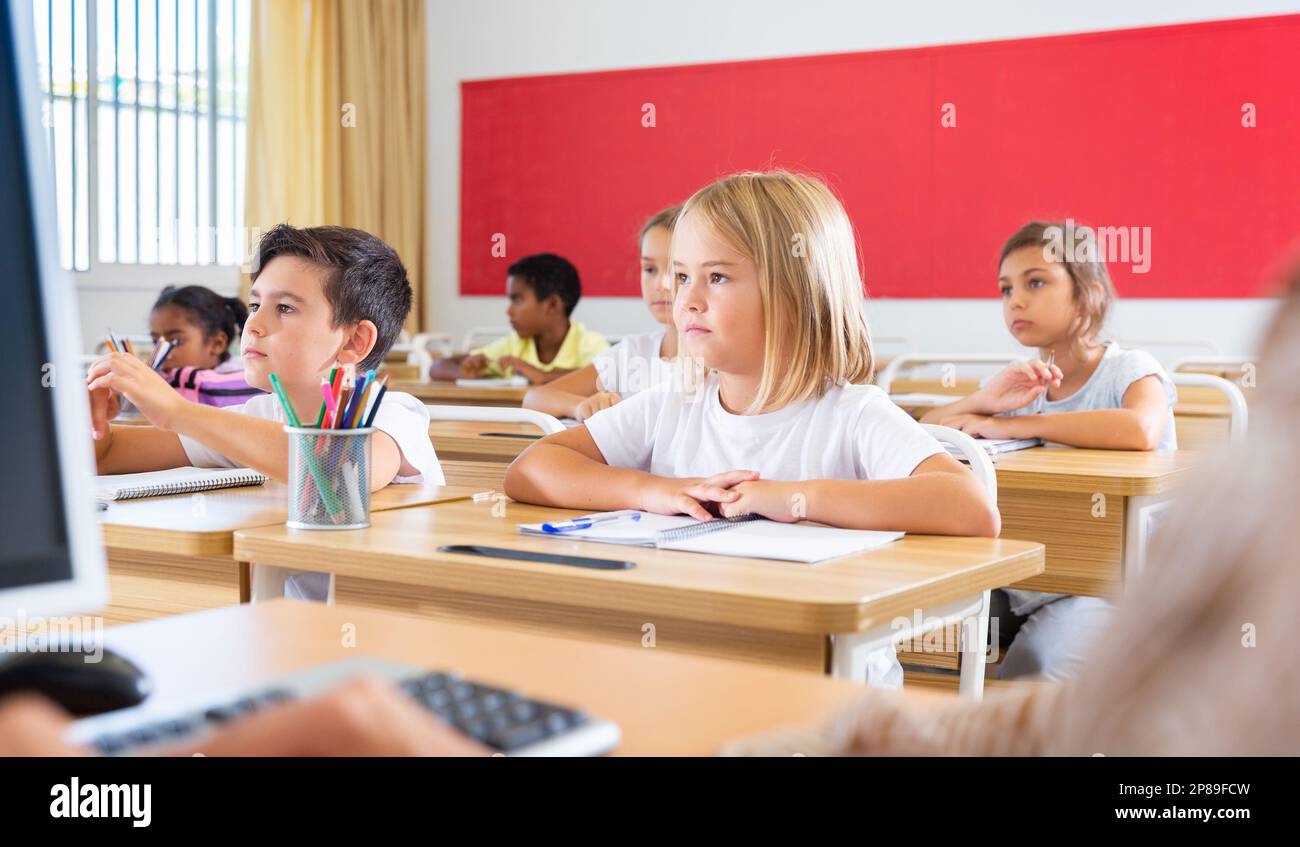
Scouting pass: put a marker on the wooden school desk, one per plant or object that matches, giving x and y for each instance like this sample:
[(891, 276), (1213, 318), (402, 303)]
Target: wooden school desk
[(477, 441), (476, 453), (1094, 509), (813, 617), (1202, 425), (664, 703), (440, 391), (174, 554)]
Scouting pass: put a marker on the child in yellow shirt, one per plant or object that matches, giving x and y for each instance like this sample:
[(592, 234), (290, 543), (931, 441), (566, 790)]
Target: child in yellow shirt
[(546, 343)]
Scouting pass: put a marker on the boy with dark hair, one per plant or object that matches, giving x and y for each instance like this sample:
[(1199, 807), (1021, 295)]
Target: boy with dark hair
[(546, 342), (321, 296)]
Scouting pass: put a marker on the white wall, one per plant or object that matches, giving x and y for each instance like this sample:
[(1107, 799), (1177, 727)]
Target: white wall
[(119, 297), (477, 39)]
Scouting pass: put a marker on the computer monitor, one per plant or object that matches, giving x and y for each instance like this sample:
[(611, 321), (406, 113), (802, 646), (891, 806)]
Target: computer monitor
[(51, 558)]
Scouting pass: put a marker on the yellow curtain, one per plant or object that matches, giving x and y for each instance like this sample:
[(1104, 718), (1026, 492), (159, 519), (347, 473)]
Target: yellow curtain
[(336, 122)]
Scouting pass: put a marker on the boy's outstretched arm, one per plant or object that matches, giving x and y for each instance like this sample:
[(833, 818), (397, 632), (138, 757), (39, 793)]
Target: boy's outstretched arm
[(137, 449), (248, 441)]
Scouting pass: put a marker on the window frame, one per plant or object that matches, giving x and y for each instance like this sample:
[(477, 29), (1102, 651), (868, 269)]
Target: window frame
[(141, 276)]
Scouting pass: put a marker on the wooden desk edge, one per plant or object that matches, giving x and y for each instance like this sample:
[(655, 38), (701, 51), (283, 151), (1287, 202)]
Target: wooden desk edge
[(812, 617)]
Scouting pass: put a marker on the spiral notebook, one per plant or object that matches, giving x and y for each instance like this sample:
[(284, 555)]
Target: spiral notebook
[(749, 536), (130, 486)]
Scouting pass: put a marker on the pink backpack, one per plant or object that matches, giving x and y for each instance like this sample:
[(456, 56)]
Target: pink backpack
[(210, 387)]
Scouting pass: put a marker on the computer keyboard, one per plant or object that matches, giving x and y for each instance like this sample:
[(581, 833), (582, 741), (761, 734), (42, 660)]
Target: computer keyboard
[(501, 719)]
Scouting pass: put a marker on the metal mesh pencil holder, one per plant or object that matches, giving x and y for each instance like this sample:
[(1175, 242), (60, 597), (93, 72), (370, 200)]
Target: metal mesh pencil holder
[(329, 478)]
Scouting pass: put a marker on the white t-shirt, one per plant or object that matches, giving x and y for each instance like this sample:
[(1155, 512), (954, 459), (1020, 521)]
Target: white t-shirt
[(632, 365), (852, 432), (402, 416)]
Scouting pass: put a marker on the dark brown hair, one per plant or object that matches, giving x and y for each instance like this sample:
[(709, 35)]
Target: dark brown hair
[(365, 279), (1093, 290), (207, 310)]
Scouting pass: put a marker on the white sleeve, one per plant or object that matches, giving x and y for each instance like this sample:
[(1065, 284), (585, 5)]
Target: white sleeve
[(625, 432), (890, 443), (405, 419)]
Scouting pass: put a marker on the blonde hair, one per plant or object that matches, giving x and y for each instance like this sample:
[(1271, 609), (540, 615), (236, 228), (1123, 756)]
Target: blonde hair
[(801, 240)]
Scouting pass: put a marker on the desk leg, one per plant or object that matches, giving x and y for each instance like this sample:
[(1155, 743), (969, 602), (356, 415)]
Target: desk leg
[(849, 650), (245, 581), (974, 634), (268, 583), (1141, 519)]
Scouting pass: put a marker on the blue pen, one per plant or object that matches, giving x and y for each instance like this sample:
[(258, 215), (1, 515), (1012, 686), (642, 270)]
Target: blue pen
[(587, 523)]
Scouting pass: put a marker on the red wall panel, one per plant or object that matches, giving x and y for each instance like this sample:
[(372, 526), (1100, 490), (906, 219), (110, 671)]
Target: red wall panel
[(1138, 128)]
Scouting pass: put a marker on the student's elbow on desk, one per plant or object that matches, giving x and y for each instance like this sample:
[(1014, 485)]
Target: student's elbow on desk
[(1149, 430), (986, 521), (972, 511), (518, 483)]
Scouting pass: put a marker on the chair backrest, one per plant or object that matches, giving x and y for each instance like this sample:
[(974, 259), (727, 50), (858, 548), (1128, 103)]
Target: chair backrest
[(878, 341), (437, 343), (885, 379), (980, 463), (1219, 365), (495, 414), (480, 335), (1238, 413)]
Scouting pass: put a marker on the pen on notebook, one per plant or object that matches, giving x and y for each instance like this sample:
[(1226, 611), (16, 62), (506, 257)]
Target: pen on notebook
[(587, 523)]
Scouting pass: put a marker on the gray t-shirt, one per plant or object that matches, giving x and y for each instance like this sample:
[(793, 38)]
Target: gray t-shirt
[(1104, 390), (1106, 387)]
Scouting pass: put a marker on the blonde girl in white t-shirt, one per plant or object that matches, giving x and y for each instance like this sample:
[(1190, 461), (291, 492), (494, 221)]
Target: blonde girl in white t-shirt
[(638, 361), (770, 301)]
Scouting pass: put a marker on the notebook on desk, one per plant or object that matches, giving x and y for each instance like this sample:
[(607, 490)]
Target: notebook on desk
[(921, 398), (994, 446), (129, 486), (749, 536)]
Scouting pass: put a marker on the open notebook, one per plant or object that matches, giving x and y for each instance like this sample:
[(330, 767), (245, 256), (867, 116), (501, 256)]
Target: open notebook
[(994, 446), (128, 486), (750, 536)]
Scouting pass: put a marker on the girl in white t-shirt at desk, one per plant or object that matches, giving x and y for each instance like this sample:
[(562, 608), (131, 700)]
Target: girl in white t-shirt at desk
[(784, 424), (638, 361)]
